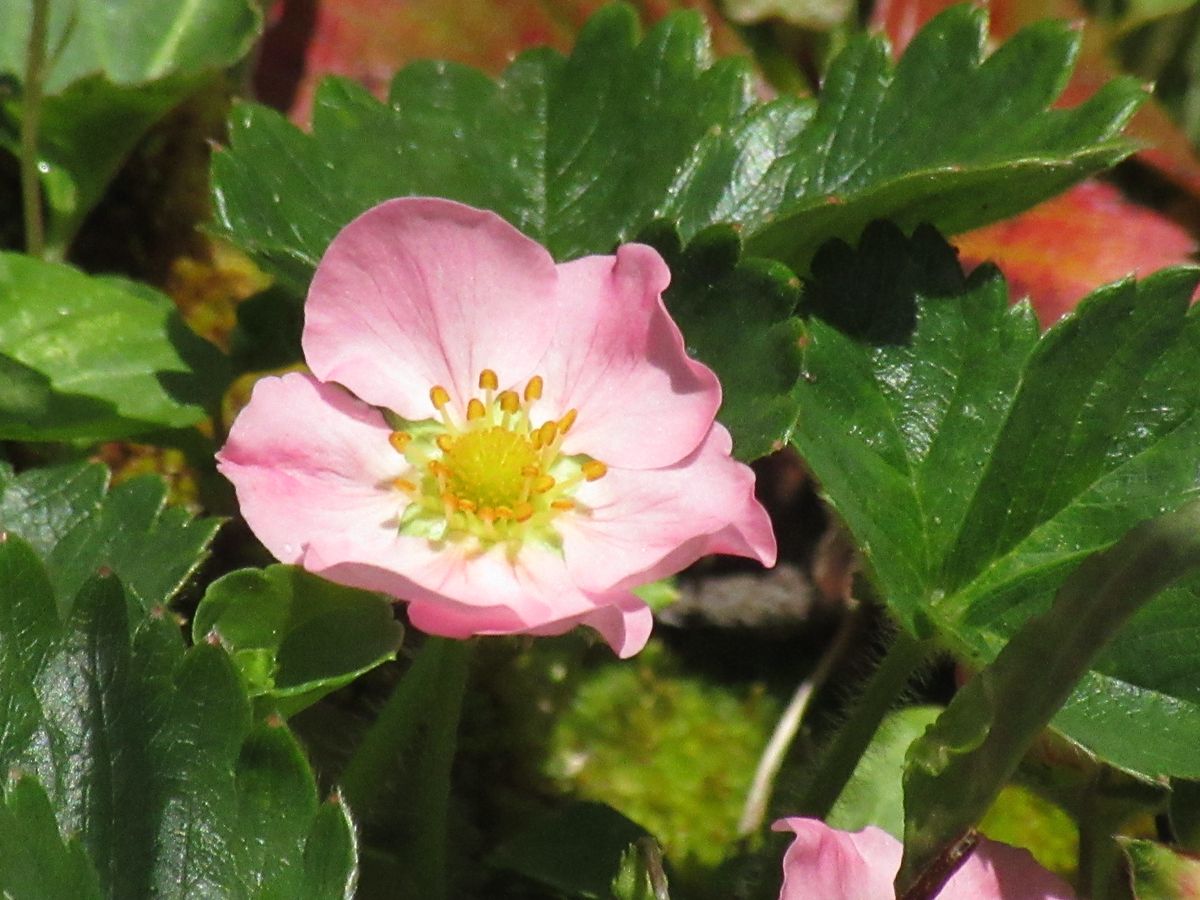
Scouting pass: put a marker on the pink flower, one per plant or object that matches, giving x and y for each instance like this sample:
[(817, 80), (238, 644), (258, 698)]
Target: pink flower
[(508, 444), (826, 864)]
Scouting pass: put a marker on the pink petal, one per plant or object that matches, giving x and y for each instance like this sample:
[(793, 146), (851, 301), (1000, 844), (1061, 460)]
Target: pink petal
[(838, 865), (418, 292), (456, 592), (306, 459), (624, 623), (1000, 871), (619, 359), (645, 524), (829, 864)]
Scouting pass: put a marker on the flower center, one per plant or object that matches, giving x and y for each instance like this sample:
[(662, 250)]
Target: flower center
[(491, 475)]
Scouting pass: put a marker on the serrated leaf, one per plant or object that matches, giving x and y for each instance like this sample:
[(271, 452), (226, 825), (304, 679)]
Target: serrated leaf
[(977, 465), (113, 68), (148, 753), (956, 769), (295, 636), (84, 357), (36, 862), (581, 153), (78, 527)]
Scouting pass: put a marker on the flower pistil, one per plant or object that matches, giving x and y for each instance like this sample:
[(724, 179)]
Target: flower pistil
[(491, 475)]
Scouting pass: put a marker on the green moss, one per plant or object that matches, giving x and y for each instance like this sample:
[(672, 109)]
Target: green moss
[(672, 751)]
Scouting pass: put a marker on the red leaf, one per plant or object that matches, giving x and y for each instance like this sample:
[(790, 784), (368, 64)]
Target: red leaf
[(1061, 250), (368, 40)]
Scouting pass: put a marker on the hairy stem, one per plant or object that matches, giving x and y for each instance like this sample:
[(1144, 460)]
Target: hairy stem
[(882, 691), (757, 799), (31, 113)]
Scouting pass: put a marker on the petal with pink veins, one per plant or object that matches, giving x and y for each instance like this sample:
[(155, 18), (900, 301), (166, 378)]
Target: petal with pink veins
[(641, 525), (619, 359), (307, 459), (418, 292)]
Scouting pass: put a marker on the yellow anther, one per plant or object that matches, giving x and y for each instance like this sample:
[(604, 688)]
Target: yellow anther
[(439, 469), (533, 390), (487, 514), (562, 504), (475, 409), (399, 440), (565, 423), (594, 469), (403, 484), (445, 443), (503, 512), (548, 432), (535, 439), (509, 401), (523, 512), (543, 484), (439, 396), (449, 501), (530, 471), (466, 505), (488, 380)]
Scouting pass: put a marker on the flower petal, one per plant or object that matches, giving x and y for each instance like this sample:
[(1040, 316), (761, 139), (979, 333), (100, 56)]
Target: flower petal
[(1010, 873), (306, 459), (838, 865), (418, 292), (826, 863), (645, 524), (619, 359), (625, 623), (457, 593)]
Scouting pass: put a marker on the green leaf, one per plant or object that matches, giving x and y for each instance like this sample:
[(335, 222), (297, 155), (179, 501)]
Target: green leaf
[(641, 875), (977, 465), (582, 153), (79, 528), (148, 753), (736, 316), (295, 636), (874, 794), (1160, 873), (36, 863), (576, 851), (956, 769), (92, 358), (113, 69)]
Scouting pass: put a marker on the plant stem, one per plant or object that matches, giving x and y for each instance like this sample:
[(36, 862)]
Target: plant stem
[(399, 777), (880, 695), (759, 796), (31, 194)]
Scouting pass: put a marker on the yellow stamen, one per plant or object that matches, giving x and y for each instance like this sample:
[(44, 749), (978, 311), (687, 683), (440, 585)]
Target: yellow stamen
[(399, 440), (488, 380), (439, 397), (403, 484), (565, 423), (509, 401), (593, 469), (562, 504), (466, 505), (523, 512), (503, 512), (533, 390), (487, 514), (445, 443), (543, 484), (475, 409), (548, 432)]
